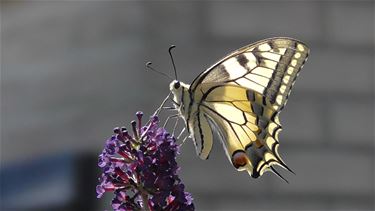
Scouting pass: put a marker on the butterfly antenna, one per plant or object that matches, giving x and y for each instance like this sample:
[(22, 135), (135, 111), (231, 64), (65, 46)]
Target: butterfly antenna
[(170, 54), (148, 65)]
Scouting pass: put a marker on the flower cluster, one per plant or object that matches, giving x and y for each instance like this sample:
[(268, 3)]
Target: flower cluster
[(141, 169)]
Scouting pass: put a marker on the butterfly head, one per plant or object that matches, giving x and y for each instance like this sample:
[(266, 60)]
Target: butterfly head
[(175, 85), (178, 89)]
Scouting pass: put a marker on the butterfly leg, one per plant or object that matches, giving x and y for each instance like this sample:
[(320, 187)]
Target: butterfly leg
[(169, 118), (181, 134), (182, 131), (183, 140), (162, 105), (168, 108), (175, 125)]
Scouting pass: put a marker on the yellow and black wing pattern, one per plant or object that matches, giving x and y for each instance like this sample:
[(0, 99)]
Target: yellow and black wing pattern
[(241, 97)]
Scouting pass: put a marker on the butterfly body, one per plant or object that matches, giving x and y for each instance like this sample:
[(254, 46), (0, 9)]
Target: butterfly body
[(239, 98), (181, 97)]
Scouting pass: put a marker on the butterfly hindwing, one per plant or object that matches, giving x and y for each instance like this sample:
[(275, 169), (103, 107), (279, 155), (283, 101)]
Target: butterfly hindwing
[(244, 131), (241, 97)]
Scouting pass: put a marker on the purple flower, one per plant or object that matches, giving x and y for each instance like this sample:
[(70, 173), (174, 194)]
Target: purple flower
[(141, 169)]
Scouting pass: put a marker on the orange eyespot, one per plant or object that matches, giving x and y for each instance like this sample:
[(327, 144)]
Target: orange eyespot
[(239, 159)]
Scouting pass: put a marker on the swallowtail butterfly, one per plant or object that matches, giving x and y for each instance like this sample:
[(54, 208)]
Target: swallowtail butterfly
[(240, 98)]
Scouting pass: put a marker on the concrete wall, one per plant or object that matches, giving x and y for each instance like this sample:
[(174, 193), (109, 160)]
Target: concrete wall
[(71, 71)]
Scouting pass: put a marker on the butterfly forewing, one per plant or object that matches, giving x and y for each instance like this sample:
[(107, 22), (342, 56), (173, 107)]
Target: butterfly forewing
[(268, 67), (241, 96)]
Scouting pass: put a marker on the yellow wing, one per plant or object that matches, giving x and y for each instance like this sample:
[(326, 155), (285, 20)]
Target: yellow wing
[(241, 97)]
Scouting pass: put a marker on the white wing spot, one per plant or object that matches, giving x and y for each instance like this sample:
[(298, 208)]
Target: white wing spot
[(300, 47), (294, 62), (286, 79), (290, 70), (282, 89), (279, 99), (264, 47), (234, 69)]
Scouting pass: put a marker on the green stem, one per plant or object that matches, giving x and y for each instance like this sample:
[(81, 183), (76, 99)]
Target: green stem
[(145, 201)]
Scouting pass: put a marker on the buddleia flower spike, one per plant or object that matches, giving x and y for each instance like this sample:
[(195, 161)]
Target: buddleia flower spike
[(141, 169)]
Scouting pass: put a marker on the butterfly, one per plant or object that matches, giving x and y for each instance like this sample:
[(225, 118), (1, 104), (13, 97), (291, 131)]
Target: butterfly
[(240, 98)]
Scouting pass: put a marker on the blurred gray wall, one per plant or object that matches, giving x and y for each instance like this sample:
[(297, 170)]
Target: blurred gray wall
[(73, 70)]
